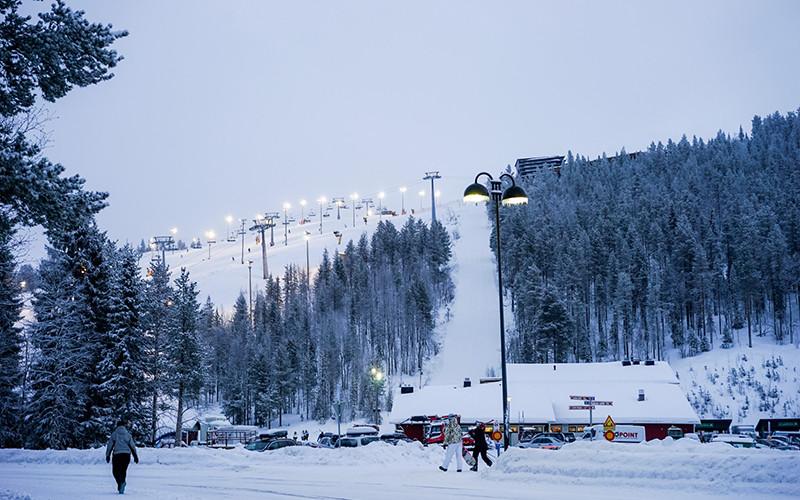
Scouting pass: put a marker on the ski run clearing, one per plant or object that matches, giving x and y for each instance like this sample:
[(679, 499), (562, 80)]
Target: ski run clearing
[(599, 470)]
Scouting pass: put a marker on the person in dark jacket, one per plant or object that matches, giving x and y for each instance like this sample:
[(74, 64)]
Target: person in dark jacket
[(479, 436), (121, 445)]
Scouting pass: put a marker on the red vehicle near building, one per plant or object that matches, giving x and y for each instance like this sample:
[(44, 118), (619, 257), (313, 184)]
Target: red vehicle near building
[(429, 429)]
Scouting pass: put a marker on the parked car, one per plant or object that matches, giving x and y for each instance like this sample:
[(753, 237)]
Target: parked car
[(270, 445), (328, 442), (555, 435), (543, 442), (774, 444), (785, 441), (570, 437), (395, 437), (735, 440), (356, 441)]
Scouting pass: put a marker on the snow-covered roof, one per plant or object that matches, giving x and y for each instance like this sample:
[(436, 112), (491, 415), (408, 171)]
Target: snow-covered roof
[(540, 393)]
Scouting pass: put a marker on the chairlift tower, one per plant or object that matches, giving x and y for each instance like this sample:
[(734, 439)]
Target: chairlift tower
[(162, 244), (242, 232), (260, 225), (338, 202), (432, 176)]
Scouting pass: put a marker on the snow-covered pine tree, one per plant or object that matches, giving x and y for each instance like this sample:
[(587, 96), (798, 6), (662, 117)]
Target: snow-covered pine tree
[(158, 325), (10, 342), (58, 385), (184, 350), (122, 367)]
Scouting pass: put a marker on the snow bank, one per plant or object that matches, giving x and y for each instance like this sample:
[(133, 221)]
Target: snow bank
[(681, 465), (373, 454)]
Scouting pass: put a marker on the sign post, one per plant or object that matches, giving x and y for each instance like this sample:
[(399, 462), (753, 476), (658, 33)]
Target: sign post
[(590, 403)]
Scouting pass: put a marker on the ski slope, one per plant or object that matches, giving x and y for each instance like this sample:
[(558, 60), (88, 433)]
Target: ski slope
[(471, 338), (223, 276)]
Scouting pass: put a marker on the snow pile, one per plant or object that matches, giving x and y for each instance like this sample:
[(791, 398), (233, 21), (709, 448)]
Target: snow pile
[(680, 465), (373, 454), (743, 384)]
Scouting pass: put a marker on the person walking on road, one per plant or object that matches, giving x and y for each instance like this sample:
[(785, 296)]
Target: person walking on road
[(479, 435), (452, 442), (121, 445)]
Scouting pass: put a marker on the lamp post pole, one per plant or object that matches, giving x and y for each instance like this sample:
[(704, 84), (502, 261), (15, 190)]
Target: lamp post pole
[(514, 195)]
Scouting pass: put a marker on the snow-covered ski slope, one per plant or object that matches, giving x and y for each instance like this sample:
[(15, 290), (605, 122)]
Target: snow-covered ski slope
[(471, 337), (223, 276), (657, 471)]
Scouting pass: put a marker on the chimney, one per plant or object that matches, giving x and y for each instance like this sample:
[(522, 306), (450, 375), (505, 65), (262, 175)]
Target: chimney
[(641, 394), (467, 382)]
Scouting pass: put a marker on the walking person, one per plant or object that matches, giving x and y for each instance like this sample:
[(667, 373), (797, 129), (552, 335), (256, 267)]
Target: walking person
[(479, 436), (452, 442), (121, 445)]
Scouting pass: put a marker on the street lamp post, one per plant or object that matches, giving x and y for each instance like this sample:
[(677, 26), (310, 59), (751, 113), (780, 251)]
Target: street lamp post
[(403, 200), (377, 379), (210, 240), (321, 201), (381, 196), (303, 211), (421, 198), (250, 285), (228, 221), (514, 195), (308, 261)]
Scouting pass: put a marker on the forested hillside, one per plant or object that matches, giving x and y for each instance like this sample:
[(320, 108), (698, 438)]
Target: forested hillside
[(313, 344), (683, 245)]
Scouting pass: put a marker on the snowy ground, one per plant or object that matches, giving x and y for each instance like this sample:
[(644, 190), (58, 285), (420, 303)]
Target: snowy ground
[(683, 469)]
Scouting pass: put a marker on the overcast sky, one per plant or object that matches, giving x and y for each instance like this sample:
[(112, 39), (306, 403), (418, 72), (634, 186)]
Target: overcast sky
[(235, 107)]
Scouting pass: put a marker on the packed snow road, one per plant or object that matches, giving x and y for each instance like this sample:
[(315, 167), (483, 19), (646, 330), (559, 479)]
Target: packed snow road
[(589, 470)]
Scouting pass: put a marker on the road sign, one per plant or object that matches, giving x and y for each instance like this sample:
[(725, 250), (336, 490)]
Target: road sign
[(582, 397), (581, 407), (609, 435), (609, 424), (600, 403)]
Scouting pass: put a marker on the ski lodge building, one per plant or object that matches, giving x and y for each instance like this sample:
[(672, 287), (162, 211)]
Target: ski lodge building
[(646, 394)]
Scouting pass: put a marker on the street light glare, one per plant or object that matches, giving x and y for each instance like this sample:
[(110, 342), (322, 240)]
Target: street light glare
[(287, 206), (422, 193), (229, 219), (174, 230), (322, 199), (381, 195), (259, 216), (354, 196), (403, 189), (303, 203), (210, 234)]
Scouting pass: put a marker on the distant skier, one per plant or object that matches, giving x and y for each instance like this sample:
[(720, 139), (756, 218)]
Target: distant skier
[(452, 442), (121, 445), (479, 435)]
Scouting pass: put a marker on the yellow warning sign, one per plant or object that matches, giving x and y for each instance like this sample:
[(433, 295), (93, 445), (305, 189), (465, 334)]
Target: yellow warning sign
[(609, 423)]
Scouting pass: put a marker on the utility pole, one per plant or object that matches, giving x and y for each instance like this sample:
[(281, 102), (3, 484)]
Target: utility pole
[(242, 232), (432, 176), (403, 200), (353, 198), (210, 240), (261, 225)]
